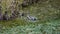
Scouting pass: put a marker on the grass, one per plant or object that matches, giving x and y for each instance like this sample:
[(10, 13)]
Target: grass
[(47, 28), (48, 23)]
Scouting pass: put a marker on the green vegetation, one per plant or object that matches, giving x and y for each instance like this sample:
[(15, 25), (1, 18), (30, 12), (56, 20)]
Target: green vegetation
[(52, 27), (47, 12)]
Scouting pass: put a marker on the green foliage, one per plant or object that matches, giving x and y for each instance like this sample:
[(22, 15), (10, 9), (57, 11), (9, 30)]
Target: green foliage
[(47, 14), (52, 27)]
